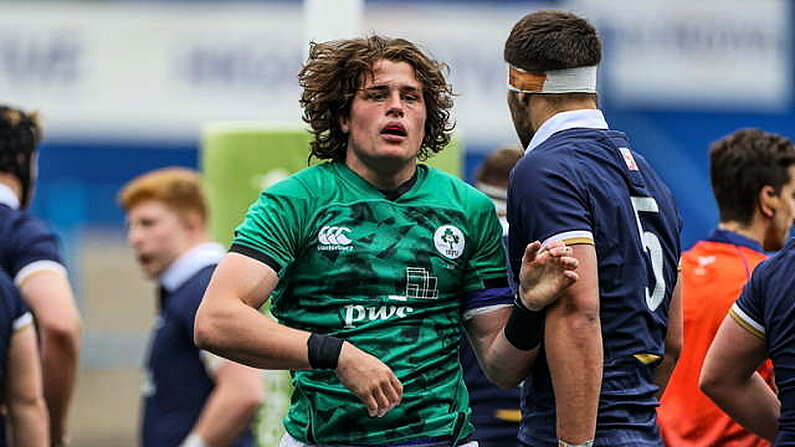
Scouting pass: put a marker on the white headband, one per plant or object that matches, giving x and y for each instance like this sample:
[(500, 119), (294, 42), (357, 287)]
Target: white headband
[(570, 80)]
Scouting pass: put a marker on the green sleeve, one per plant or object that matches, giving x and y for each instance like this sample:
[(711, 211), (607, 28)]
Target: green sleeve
[(487, 266), (274, 226)]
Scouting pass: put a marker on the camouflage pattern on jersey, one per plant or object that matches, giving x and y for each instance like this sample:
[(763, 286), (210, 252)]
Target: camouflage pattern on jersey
[(388, 276)]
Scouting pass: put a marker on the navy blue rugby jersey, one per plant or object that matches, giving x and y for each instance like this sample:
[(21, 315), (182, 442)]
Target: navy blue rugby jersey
[(177, 381), (586, 185), (13, 316), (26, 244), (766, 308)]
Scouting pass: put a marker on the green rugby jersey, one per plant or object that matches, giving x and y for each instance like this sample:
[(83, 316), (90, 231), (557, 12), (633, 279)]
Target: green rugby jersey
[(393, 277)]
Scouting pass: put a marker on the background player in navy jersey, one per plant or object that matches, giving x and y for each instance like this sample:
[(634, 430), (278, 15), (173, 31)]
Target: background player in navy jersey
[(495, 412), (760, 325), (581, 183), (191, 397), (30, 255), (20, 372)]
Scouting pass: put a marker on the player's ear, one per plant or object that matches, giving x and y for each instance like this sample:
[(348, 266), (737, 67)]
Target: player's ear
[(518, 98), (193, 221), (345, 124), (769, 201)]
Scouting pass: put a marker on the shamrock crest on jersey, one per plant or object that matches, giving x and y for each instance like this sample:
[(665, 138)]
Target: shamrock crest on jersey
[(449, 240)]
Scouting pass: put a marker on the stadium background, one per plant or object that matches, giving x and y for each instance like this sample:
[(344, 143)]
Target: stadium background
[(125, 87)]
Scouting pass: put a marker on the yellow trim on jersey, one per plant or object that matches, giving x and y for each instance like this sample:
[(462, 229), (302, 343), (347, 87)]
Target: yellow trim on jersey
[(647, 358), (508, 415), (578, 240), (746, 325), (573, 237)]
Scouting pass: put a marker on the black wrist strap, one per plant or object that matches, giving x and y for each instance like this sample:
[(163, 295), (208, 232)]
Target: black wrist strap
[(525, 327), (323, 351)]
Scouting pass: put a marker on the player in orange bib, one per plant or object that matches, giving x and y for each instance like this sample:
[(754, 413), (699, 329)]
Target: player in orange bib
[(750, 171)]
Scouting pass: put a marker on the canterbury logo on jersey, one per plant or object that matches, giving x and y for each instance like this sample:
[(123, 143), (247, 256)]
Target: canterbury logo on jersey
[(334, 238)]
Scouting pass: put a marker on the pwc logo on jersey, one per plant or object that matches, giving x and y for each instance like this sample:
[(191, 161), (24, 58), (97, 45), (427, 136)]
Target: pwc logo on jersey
[(333, 238), (449, 241), (359, 314)]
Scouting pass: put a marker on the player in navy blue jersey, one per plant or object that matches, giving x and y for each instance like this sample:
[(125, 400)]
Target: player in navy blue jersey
[(611, 340), (760, 324), (495, 412), (191, 397), (20, 372), (30, 255)]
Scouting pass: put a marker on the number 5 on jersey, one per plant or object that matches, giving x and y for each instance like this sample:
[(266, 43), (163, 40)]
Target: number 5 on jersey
[(652, 245)]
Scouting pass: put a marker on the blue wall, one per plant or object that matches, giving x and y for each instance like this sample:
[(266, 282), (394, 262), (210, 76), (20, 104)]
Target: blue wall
[(78, 182)]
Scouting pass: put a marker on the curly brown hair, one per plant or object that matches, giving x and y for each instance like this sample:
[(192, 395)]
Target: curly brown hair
[(335, 71)]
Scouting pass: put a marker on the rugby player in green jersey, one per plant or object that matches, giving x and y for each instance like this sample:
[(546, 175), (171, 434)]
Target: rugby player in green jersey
[(374, 262)]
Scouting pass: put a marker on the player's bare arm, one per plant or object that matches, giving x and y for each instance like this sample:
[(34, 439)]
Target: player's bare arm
[(49, 295), (730, 379), (573, 343), (228, 323), (673, 339), (230, 407), (27, 412), (543, 276)]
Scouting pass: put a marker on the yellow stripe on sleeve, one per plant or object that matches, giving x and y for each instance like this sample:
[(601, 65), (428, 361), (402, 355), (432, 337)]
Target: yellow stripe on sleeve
[(578, 240), (746, 325)]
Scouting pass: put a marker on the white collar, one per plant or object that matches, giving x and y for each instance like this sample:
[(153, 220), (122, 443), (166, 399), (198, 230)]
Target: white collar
[(190, 263), (7, 197), (585, 118)]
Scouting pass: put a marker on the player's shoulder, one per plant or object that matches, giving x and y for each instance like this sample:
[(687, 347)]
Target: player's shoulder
[(710, 266), (20, 221), (544, 169), (566, 151), (714, 250), (306, 182), (777, 267)]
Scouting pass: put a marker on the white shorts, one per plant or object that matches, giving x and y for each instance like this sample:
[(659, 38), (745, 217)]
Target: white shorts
[(289, 441)]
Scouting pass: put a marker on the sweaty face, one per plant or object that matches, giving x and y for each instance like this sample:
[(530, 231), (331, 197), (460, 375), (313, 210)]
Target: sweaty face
[(157, 234), (777, 236), (386, 125)]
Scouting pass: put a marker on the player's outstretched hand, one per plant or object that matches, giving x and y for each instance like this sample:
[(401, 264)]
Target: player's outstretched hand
[(369, 379), (545, 273)]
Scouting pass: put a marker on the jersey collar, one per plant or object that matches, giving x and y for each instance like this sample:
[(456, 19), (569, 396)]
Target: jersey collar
[(366, 186), (585, 118), (190, 263), (8, 198), (730, 237)]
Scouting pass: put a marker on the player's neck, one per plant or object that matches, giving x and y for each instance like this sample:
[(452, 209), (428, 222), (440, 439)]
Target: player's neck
[(382, 177), (755, 231), (546, 109), (12, 182)]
